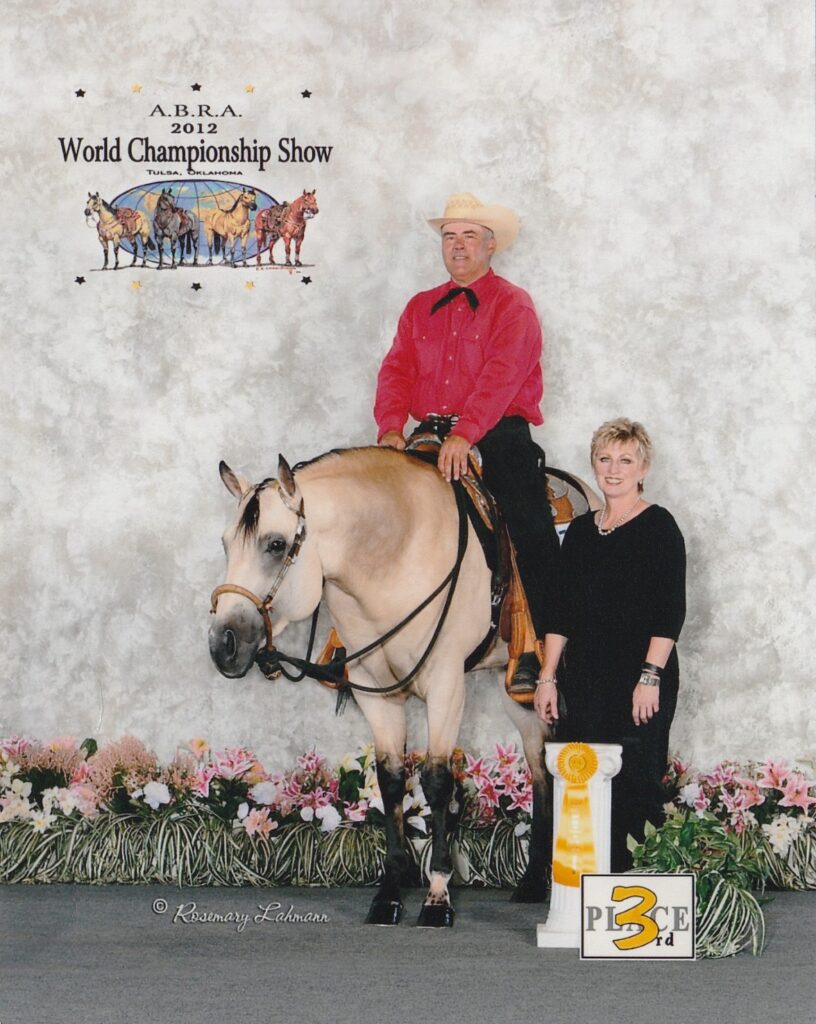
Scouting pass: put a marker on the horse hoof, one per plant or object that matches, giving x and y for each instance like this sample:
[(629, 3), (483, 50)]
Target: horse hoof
[(436, 915), (298, 263), (385, 912)]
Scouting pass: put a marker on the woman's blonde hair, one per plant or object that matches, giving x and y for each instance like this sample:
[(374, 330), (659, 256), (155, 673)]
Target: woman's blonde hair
[(621, 431)]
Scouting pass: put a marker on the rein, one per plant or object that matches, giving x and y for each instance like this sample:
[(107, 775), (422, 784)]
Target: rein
[(272, 662)]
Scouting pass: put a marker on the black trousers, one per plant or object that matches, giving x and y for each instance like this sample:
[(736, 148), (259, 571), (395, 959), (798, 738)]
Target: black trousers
[(514, 477)]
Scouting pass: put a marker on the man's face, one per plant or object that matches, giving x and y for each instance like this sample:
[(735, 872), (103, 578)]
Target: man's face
[(466, 250)]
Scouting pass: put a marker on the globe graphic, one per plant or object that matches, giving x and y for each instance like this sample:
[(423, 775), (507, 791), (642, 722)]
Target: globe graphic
[(203, 196)]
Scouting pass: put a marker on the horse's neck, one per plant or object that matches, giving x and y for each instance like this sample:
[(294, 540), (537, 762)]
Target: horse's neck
[(295, 211), (364, 524), (106, 215)]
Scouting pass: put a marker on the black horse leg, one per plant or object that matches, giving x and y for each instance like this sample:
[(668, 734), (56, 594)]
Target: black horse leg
[(534, 883), (386, 907), (437, 784)]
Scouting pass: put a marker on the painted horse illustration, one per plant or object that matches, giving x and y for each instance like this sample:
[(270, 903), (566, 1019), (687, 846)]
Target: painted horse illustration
[(374, 532), (286, 221), (224, 228), (115, 223), (178, 226)]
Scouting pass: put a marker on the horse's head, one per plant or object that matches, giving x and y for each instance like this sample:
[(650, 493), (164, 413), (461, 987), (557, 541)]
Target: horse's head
[(309, 204), (93, 205), (165, 200), (247, 198), (271, 566)]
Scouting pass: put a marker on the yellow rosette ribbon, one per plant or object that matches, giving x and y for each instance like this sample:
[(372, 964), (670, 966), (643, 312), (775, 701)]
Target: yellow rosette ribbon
[(575, 844)]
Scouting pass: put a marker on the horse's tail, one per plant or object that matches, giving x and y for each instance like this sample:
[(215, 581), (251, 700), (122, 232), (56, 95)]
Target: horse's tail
[(217, 239), (150, 243), (189, 242)]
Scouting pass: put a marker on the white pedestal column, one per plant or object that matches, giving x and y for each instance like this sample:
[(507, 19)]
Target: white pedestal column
[(582, 815)]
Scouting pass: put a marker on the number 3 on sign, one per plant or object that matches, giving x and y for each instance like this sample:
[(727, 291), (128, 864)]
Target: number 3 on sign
[(635, 915)]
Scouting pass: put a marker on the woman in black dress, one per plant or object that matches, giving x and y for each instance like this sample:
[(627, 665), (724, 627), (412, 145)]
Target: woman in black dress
[(620, 609)]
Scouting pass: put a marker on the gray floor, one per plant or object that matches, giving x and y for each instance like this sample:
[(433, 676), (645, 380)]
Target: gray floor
[(102, 955)]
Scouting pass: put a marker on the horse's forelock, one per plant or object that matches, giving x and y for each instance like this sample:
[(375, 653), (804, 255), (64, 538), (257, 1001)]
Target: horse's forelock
[(248, 523)]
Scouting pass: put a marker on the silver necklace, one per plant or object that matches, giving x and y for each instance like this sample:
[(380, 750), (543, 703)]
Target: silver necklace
[(619, 522)]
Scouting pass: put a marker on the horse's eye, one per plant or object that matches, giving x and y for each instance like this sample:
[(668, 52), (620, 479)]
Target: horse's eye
[(276, 546)]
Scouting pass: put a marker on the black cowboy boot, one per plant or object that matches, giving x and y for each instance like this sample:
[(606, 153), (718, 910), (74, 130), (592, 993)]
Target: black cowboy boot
[(525, 677)]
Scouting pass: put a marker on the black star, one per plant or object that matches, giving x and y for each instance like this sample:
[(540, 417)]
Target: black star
[(196, 87), (306, 280), (80, 280), (196, 286), (306, 94), (79, 92)]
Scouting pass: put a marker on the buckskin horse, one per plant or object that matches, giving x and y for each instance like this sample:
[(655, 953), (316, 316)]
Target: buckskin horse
[(224, 228), (115, 223), (379, 535), (178, 226), (286, 221)]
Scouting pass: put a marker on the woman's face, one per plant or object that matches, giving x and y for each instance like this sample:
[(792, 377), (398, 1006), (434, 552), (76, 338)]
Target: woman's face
[(618, 470)]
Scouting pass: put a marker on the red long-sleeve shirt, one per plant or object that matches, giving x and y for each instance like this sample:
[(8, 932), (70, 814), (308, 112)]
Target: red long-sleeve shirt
[(479, 364)]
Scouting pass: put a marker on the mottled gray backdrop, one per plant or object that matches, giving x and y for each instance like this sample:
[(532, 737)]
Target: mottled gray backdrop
[(660, 154)]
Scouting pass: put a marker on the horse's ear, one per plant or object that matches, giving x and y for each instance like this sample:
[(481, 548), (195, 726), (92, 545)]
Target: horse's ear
[(235, 484), (286, 477)]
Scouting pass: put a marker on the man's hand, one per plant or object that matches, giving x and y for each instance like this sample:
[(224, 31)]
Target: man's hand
[(453, 457), (393, 439)]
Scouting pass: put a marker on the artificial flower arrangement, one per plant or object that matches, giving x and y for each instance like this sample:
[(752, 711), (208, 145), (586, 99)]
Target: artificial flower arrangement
[(312, 825), (82, 813)]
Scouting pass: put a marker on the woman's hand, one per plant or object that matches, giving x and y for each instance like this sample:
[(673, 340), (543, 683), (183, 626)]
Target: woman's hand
[(546, 702), (645, 703)]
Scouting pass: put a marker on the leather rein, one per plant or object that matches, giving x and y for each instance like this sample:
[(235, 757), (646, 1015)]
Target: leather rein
[(273, 662)]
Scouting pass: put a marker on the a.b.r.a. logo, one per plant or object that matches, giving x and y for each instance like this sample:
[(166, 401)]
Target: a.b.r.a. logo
[(642, 917)]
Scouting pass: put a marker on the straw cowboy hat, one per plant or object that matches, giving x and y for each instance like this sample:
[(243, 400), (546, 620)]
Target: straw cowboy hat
[(466, 207)]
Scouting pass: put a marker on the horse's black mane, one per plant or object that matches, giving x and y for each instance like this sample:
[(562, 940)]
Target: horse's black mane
[(108, 206), (325, 455)]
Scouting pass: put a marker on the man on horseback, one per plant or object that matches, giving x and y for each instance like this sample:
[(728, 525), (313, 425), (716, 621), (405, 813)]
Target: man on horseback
[(465, 363)]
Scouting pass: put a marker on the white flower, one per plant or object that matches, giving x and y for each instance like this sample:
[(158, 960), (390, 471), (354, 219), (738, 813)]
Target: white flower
[(137, 793), (350, 763), (15, 807), (781, 832), (41, 820), (20, 788), (329, 818), (265, 792), (418, 823), (67, 801), (688, 794), (155, 794), (307, 813), (243, 810), (522, 828), (376, 803)]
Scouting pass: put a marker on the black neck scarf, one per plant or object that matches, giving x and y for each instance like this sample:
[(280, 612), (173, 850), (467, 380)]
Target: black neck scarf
[(469, 294)]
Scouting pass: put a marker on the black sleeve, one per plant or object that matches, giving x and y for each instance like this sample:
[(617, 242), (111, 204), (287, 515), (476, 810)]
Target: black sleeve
[(668, 606)]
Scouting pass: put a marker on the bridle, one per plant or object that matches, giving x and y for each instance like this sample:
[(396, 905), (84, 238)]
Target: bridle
[(264, 605), (272, 662)]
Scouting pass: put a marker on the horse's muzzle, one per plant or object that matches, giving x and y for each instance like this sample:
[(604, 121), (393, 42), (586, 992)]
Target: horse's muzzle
[(233, 647)]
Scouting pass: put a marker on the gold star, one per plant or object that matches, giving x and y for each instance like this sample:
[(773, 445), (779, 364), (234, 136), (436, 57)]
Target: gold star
[(136, 88), (136, 284), (249, 88), (249, 284)]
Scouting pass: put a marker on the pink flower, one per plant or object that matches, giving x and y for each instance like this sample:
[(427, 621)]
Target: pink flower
[(751, 793), (81, 773), (506, 756), (796, 792), (701, 803), (202, 779), (477, 769), (357, 811), (62, 743), (233, 762), (488, 794), (521, 798), (257, 822), (199, 747), (86, 798), (15, 745), (774, 774), (311, 762)]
